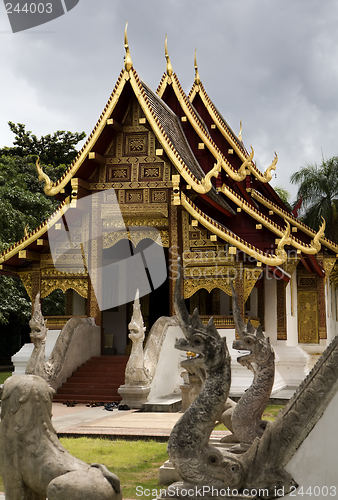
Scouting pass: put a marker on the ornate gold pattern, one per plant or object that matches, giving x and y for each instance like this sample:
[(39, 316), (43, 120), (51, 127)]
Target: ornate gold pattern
[(80, 285), (329, 263), (26, 279), (307, 317), (136, 144), (135, 222), (118, 173), (281, 310), (311, 249), (231, 238), (295, 222), (109, 239)]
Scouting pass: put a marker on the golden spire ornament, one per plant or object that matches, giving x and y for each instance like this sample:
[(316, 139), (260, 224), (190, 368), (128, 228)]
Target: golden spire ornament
[(128, 63), (169, 66), (197, 76), (240, 131)]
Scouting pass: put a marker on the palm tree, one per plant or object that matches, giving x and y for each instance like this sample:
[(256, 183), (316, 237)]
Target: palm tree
[(318, 187)]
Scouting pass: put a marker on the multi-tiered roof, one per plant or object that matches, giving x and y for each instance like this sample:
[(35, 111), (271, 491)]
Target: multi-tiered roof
[(214, 177)]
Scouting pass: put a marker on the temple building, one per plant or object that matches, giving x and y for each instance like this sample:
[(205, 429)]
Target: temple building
[(164, 169)]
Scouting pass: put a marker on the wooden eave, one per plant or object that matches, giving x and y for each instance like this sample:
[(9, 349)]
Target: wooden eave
[(225, 130), (229, 236), (93, 137), (217, 119), (194, 120), (30, 244), (330, 245), (266, 221)]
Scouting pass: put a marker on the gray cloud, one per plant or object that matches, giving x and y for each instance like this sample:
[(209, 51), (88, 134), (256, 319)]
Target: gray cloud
[(273, 65)]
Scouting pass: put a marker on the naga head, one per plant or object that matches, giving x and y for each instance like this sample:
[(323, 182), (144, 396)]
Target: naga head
[(203, 340), (136, 325), (38, 324), (251, 339)]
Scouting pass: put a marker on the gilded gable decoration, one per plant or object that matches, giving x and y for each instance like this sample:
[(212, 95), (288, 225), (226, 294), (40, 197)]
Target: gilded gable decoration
[(128, 63), (169, 69)]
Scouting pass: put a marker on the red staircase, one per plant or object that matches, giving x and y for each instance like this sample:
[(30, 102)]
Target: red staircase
[(97, 380)]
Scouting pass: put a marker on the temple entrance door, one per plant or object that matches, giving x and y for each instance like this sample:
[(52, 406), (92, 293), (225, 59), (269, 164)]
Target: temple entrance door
[(308, 317)]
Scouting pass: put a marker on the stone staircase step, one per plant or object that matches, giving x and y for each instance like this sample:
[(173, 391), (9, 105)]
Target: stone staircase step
[(96, 380)]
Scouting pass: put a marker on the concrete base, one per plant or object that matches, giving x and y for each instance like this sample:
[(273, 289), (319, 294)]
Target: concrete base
[(134, 395), (167, 474), (292, 366), (20, 359), (166, 404)]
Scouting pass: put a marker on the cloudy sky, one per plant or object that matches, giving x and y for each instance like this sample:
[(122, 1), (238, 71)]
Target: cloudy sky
[(271, 63)]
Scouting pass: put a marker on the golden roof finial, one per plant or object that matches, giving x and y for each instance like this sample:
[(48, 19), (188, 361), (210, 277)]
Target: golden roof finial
[(128, 63), (240, 131), (44, 177), (169, 66), (25, 230), (197, 76)]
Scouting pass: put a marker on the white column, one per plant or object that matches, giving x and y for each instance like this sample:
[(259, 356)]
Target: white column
[(270, 304), (291, 311)]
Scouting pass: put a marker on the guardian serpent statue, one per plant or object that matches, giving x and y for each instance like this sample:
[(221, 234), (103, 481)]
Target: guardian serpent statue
[(33, 463), (244, 419), (198, 463)]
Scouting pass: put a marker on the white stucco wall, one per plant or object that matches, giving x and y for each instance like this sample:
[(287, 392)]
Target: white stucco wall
[(270, 299), (315, 462), (167, 378), (331, 311)]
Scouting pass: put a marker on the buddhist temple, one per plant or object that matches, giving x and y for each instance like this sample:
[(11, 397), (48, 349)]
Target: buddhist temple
[(181, 180)]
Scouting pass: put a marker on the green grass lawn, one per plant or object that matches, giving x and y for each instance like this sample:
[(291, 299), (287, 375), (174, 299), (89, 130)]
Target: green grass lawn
[(136, 463), (4, 375)]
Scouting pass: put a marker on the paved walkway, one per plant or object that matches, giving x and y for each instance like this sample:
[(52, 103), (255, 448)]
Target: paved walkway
[(117, 424)]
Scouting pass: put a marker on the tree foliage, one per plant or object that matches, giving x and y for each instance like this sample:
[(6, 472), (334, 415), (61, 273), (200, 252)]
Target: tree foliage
[(318, 187), (53, 149), (24, 204)]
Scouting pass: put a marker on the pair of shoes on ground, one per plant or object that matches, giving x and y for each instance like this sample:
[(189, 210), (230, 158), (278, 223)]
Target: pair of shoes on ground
[(70, 403), (94, 404), (111, 406), (123, 407)]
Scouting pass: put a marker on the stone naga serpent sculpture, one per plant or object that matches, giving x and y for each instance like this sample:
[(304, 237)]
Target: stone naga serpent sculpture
[(188, 448), (33, 463), (197, 462), (244, 419), (36, 365)]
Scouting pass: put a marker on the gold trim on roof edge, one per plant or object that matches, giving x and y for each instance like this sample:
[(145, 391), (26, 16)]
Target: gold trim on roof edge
[(55, 188), (310, 249), (276, 260), (37, 233), (208, 141), (202, 186), (226, 132), (295, 222), (195, 122)]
